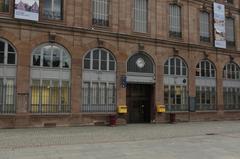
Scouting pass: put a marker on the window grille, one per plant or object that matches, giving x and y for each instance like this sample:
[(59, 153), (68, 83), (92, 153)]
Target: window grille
[(230, 37), (53, 9), (231, 71), (100, 12), (4, 5), (7, 96), (175, 21), (176, 98), (50, 96), (204, 27), (205, 69), (140, 15), (231, 98), (175, 66), (205, 98), (98, 97)]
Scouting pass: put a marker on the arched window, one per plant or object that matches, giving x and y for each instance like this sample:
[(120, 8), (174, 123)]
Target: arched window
[(51, 55), (7, 53), (231, 71), (7, 77), (50, 74), (175, 66), (205, 86), (99, 81), (99, 59), (231, 86), (175, 84), (205, 69)]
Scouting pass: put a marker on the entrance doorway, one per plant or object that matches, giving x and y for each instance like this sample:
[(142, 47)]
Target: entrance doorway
[(140, 102)]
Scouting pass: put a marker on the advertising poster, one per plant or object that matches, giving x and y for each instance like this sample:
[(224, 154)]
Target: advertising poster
[(219, 25), (27, 9)]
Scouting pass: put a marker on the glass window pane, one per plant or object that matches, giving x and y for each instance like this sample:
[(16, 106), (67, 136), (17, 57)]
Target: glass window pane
[(87, 64), (56, 56), (111, 66), (47, 56), (4, 5), (2, 46), (1, 57), (37, 57), (65, 60), (11, 58)]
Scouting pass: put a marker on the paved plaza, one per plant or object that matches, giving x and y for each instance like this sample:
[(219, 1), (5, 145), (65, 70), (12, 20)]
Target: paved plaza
[(196, 140)]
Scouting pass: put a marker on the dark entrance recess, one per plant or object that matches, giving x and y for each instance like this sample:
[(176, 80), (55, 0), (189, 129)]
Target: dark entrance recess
[(140, 103)]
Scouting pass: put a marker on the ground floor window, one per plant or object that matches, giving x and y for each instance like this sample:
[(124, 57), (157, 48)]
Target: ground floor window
[(231, 98), (175, 98), (50, 96), (99, 97), (205, 98), (7, 96)]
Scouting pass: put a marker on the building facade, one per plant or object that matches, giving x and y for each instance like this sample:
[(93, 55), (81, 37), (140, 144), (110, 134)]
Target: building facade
[(83, 58)]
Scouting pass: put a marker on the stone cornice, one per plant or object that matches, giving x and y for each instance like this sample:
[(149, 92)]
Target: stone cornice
[(46, 27)]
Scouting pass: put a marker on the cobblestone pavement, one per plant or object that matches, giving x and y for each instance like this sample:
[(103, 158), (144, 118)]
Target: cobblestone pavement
[(198, 140)]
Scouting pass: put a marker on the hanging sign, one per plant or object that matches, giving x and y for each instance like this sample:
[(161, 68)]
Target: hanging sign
[(27, 9), (219, 25)]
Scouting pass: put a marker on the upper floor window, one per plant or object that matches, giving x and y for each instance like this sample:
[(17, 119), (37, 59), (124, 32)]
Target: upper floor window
[(140, 15), (7, 53), (205, 69), (230, 1), (51, 55), (99, 59), (4, 5), (175, 66), (230, 37), (204, 26), (175, 21), (53, 9), (231, 71), (100, 12)]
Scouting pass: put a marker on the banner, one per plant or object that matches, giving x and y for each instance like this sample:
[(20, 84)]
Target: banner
[(219, 25), (27, 9)]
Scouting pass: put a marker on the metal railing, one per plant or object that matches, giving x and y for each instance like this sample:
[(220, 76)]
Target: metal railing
[(176, 101), (231, 100), (99, 99), (51, 100), (7, 99)]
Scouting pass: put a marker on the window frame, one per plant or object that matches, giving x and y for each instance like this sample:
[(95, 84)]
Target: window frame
[(209, 25), (231, 44), (170, 34), (91, 59), (199, 69), (6, 52), (134, 18), (63, 53), (236, 71), (109, 5), (44, 18), (175, 58)]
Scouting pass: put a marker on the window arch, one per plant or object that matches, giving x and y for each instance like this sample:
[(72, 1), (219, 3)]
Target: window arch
[(7, 77), (7, 53), (231, 71), (99, 81), (51, 79), (99, 59), (175, 66), (141, 63), (205, 68), (175, 84), (51, 56)]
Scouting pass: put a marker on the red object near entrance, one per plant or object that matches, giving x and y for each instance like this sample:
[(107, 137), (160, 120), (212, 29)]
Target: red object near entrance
[(112, 120)]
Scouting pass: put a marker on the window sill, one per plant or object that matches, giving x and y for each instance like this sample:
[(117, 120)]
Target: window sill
[(141, 33), (100, 27)]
